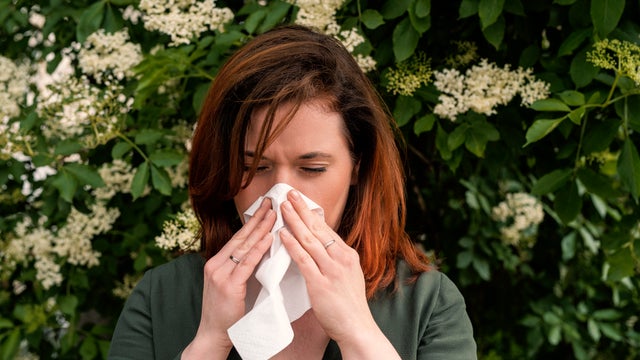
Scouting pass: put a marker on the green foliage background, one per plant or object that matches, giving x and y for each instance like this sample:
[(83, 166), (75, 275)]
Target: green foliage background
[(573, 294)]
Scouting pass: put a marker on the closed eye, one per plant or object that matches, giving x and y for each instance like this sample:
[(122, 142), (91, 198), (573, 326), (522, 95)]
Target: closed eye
[(314, 170)]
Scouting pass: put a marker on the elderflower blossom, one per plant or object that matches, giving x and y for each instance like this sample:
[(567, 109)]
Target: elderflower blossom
[(73, 240), (183, 20), (14, 86), (123, 289), (317, 14), (321, 16), (466, 52), (105, 56), (483, 87), (117, 176), (519, 216), (409, 75), (622, 57), (180, 233), (50, 247), (77, 109)]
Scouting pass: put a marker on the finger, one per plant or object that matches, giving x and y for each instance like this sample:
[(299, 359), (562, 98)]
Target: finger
[(316, 224), (241, 244), (243, 270), (300, 256), (306, 238)]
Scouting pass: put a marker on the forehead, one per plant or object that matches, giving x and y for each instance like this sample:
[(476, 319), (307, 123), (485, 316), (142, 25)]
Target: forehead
[(314, 123)]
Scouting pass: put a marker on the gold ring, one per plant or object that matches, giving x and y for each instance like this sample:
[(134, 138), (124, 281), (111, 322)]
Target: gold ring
[(329, 243), (234, 259)]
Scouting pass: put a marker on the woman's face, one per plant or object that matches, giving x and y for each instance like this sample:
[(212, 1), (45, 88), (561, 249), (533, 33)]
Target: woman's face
[(311, 154)]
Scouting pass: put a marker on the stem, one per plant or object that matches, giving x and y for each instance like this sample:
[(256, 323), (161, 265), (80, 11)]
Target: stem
[(133, 145), (613, 88), (582, 130)]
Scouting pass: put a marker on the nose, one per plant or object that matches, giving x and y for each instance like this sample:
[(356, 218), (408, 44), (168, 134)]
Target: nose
[(282, 175)]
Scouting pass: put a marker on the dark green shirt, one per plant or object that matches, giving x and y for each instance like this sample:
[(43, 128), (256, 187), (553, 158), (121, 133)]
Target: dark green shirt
[(425, 319)]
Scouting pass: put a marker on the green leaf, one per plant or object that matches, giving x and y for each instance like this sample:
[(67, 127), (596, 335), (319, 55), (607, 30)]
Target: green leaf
[(568, 202), (421, 24), (140, 180), (423, 8), (607, 315), (199, 95), (405, 40), (371, 19), (6, 323), (160, 180), (600, 135), (592, 244), (394, 8), (550, 105), (568, 246), (11, 344), (572, 97), (629, 168), (406, 107), (467, 8), (88, 349), (442, 143), (68, 304), (458, 136), (276, 13), (629, 109), (576, 115), (166, 158), (611, 331), (148, 136), (597, 184), (254, 19), (66, 185), (85, 174), (605, 15), (555, 335), (90, 21), (119, 149), (582, 71), (482, 268), (489, 11), (463, 260), (424, 124), (540, 129), (573, 41), (68, 147), (551, 181), (494, 33), (593, 329), (112, 20)]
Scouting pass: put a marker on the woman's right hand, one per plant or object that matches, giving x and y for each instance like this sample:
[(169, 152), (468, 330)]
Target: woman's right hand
[(225, 285)]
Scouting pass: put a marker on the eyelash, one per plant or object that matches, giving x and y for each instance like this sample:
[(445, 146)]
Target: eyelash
[(310, 170)]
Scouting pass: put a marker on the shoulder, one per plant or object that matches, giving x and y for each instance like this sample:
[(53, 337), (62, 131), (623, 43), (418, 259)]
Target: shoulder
[(182, 272)]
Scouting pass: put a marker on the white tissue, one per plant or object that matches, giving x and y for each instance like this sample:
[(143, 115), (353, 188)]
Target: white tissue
[(278, 288)]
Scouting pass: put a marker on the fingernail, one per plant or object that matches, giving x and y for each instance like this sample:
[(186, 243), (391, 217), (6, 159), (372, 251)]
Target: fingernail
[(295, 195), (287, 205)]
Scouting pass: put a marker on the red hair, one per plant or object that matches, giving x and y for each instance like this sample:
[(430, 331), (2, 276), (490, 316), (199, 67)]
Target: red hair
[(294, 65)]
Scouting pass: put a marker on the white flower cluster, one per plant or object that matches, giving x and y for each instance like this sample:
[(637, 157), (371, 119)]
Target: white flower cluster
[(321, 15), (180, 233), (483, 87), (50, 247), (519, 216), (117, 176), (109, 56), (183, 20), (76, 109), (317, 14), (14, 86)]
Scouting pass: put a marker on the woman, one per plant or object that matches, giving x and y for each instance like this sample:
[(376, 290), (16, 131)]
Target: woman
[(293, 107)]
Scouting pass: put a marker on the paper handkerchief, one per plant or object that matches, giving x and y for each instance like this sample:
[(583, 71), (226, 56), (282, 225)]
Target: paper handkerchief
[(278, 288)]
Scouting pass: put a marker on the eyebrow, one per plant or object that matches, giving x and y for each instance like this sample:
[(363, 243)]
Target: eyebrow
[(307, 156)]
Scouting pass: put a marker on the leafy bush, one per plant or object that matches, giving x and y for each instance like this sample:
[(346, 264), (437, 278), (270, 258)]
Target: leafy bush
[(521, 120)]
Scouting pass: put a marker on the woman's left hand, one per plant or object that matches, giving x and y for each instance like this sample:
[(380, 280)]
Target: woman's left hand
[(333, 275)]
